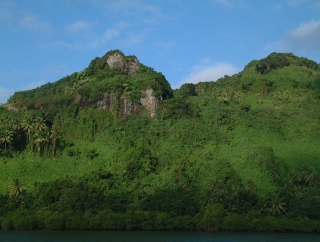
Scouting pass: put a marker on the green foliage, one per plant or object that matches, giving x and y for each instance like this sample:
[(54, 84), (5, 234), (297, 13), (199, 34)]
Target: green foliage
[(279, 60), (237, 154), (187, 89)]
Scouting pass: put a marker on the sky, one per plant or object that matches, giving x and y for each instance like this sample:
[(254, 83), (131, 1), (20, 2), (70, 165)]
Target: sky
[(187, 41)]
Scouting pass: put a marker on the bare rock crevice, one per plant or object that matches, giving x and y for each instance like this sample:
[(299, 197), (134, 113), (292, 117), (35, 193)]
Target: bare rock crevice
[(127, 106)]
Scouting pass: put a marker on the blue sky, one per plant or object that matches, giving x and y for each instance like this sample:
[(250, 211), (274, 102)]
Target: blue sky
[(42, 41)]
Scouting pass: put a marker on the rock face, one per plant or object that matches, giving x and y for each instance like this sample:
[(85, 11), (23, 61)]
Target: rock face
[(128, 65), (127, 106), (150, 102), (108, 102), (13, 109)]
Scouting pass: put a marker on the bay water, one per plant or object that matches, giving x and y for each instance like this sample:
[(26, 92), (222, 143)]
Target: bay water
[(157, 236)]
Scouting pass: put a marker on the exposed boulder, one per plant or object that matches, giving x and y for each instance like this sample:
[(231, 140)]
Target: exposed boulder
[(150, 102), (108, 102), (128, 106), (127, 64), (12, 109)]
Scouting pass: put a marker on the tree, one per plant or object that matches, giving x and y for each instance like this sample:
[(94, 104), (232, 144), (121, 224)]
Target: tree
[(27, 126), (214, 215), (238, 95), (276, 204), (5, 121), (300, 96), (41, 138), (294, 176), (39, 124), (277, 95), (308, 175), (199, 90), (225, 95), (53, 137), (215, 92), (261, 94), (6, 137), (16, 189), (287, 96), (250, 187)]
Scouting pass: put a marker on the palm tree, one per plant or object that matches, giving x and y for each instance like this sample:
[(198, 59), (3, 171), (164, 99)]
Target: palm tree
[(5, 121), (16, 189), (238, 95), (39, 124), (27, 126), (287, 96), (259, 96), (300, 96), (215, 92), (40, 139), (277, 95), (308, 175), (53, 137), (295, 176), (250, 187), (225, 96), (276, 204), (199, 90), (298, 193), (6, 137)]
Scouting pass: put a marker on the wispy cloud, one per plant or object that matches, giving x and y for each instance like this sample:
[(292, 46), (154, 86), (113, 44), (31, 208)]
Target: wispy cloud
[(133, 38), (208, 71), (120, 5), (106, 37), (304, 38), (5, 15), (165, 44), (226, 3), (110, 34), (30, 22), (79, 26), (314, 4), (7, 10)]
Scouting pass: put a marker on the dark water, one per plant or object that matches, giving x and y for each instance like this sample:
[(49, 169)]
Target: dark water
[(49, 236)]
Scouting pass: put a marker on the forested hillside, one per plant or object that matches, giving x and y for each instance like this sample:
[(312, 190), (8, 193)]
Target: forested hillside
[(114, 147)]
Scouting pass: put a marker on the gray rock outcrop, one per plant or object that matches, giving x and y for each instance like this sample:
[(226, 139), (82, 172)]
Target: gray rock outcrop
[(150, 102), (128, 65), (127, 106)]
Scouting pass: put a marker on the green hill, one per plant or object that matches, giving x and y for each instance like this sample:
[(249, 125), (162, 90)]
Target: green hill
[(114, 147)]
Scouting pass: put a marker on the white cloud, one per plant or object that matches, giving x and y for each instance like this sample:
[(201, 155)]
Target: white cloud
[(110, 34), (107, 36), (31, 22), (306, 36), (5, 94), (225, 3), (208, 71), (79, 26), (165, 44), (134, 38), (5, 15)]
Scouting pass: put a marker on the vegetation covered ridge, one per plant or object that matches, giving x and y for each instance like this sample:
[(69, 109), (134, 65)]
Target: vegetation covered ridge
[(238, 154), (113, 73)]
